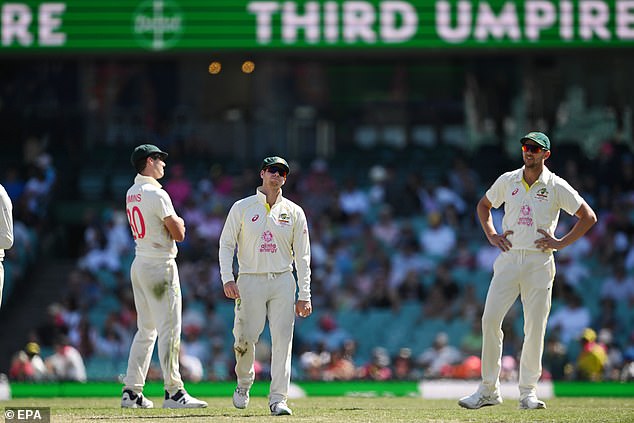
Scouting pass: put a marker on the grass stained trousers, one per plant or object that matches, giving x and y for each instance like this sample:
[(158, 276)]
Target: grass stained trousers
[(265, 296), (158, 301)]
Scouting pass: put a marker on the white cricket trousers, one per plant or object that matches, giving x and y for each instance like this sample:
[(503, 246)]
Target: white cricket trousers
[(265, 296), (158, 301), (530, 275), (1, 280)]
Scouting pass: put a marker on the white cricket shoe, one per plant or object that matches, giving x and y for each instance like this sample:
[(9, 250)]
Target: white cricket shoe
[(130, 399), (531, 403), (477, 400), (280, 409), (182, 399), (241, 397)]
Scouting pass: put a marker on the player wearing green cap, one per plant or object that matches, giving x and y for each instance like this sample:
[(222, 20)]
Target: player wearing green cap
[(533, 197), (155, 283), (271, 234)]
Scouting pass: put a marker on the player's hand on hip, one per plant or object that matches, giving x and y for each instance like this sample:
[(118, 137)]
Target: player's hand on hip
[(547, 242), (501, 241), (303, 308), (231, 290)]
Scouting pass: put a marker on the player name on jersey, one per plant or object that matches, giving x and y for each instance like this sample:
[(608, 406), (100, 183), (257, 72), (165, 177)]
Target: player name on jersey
[(135, 198)]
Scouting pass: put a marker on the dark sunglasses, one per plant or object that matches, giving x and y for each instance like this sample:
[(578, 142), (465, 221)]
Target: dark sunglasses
[(532, 148), (157, 157), (276, 169)]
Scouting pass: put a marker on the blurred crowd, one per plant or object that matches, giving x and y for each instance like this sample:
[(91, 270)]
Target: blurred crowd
[(30, 183), (386, 241)]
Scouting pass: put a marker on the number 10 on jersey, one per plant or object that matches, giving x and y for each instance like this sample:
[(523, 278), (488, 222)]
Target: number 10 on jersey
[(137, 224)]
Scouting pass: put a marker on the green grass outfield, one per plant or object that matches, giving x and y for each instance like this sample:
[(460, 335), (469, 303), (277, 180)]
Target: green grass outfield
[(336, 410)]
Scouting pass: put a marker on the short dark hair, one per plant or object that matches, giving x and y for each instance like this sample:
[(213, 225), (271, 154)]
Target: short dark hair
[(140, 164)]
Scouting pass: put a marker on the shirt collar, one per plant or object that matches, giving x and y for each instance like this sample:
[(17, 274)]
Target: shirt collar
[(544, 177), (262, 197), (141, 179)]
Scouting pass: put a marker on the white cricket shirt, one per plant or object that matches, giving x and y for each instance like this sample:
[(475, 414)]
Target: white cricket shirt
[(526, 211), (147, 204), (6, 222), (268, 241)]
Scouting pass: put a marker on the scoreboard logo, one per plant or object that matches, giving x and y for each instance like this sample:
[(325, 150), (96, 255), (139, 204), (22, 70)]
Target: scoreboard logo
[(158, 24)]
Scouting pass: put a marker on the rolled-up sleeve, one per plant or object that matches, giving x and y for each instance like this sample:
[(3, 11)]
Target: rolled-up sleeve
[(301, 251)]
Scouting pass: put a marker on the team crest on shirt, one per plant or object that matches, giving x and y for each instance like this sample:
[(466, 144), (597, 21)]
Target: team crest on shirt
[(284, 219), (268, 246), (525, 218), (542, 194)]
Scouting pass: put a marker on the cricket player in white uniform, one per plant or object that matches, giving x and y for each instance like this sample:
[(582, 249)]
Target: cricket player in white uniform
[(157, 296), (6, 231), (270, 233), (532, 198)]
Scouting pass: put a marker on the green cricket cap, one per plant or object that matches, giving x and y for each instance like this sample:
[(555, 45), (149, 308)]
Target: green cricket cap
[(539, 137), (275, 160), (144, 150)]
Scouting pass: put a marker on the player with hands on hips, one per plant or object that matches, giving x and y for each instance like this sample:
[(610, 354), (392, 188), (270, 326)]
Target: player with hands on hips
[(533, 197), (155, 283), (271, 234)]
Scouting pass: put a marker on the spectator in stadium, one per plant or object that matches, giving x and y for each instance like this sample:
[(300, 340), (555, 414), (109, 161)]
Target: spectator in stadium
[(618, 286), (437, 239), (191, 367), (627, 372), (179, 187), (6, 231), (13, 183), (66, 363), (571, 318), (21, 368), (381, 295), (352, 199), (39, 187), (317, 186), (440, 355), (312, 364), (533, 197), (405, 259), (404, 367), (32, 350), (411, 289), (470, 308), (555, 360), (339, 367), (271, 236), (113, 340), (471, 342), (592, 358), (329, 334), (612, 368), (443, 293), (386, 229), (378, 368)]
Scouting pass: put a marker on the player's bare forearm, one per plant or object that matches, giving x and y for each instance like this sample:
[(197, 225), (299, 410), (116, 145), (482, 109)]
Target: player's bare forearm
[(587, 219), (486, 220), (484, 215), (176, 227)]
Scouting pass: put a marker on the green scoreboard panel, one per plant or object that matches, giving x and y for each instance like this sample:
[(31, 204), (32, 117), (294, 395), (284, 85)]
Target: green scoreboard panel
[(199, 25)]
